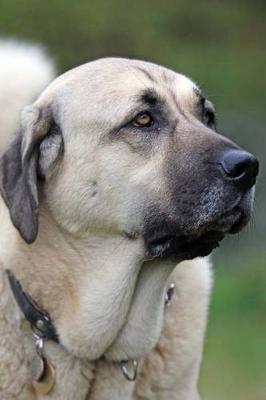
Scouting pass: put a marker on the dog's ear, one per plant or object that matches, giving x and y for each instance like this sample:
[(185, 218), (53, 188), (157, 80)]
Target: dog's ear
[(19, 170)]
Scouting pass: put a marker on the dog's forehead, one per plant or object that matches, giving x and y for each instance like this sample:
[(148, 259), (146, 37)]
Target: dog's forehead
[(131, 77), (120, 80)]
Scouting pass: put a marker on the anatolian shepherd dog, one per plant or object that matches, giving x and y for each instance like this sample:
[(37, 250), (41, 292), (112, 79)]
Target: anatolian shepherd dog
[(116, 176)]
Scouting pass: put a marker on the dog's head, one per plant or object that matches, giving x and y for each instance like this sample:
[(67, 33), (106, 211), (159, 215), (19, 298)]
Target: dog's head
[(129, 147)]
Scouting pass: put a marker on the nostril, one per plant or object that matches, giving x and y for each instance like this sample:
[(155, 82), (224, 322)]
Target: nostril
[(233, 169), (240, 166)]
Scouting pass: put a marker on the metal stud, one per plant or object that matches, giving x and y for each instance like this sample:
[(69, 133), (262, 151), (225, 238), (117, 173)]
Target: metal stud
[(169, 294), (129, 369), (40, 325)]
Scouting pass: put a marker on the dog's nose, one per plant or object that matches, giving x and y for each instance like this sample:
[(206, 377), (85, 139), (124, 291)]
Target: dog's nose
[(241, 167)]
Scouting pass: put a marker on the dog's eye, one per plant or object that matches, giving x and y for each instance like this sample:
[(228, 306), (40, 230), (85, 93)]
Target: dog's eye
[(208, 114), (209, 118), (143, 120)]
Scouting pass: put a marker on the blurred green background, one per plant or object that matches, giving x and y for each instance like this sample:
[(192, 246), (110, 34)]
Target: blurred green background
[(222, 46)]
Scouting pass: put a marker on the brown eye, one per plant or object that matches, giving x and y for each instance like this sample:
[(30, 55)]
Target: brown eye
[(208, 114), (209, 118), (143, 120)]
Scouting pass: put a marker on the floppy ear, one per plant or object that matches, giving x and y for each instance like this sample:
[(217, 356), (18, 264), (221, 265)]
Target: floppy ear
[(18, 171)]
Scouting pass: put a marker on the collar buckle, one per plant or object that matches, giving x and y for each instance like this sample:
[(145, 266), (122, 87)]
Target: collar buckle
[(40, 322)]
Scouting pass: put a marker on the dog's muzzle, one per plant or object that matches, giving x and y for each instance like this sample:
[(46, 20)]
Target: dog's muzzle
[(167, 237)]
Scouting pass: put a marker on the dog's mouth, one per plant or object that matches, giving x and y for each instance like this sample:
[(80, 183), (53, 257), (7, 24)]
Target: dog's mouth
[(166, 244), (184, 247)]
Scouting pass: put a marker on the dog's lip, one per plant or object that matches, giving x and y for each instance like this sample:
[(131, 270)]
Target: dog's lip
[(185, 246), (234, 221), (240, 223), (201, 246)]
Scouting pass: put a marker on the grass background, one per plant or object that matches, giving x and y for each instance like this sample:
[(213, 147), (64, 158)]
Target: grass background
[(221, 45), (234, 364)]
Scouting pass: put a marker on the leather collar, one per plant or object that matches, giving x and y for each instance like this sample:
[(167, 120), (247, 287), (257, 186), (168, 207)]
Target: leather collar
[(40, 320), (43, 327)]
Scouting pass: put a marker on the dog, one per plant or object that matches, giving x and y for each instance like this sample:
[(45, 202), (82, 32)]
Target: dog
[(116, 186)]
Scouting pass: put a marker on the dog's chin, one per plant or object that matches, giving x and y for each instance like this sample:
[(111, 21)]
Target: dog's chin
[(180, 247)]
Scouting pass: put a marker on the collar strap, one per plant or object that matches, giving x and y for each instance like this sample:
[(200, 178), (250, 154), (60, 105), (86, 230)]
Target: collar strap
[(40, 321)]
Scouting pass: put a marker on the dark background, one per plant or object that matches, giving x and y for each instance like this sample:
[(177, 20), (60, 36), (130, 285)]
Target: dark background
[(222, 46)]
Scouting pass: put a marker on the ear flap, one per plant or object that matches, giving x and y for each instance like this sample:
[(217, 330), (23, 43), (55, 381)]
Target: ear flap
[(18, 171)]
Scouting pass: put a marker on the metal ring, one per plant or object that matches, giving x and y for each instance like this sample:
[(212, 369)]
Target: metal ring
[(39, 346), (125, 370)]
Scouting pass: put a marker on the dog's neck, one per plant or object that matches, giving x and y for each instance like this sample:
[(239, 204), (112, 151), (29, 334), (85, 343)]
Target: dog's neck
[(100, 296)]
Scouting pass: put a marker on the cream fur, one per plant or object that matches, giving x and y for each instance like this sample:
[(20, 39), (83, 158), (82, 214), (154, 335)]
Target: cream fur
[(87, 274), (25, 71)]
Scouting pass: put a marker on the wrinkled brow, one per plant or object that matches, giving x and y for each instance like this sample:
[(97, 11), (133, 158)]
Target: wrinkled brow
[(200, 96), (198, 92), (148, 97)]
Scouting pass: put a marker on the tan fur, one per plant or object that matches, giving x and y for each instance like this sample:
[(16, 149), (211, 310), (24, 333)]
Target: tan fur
[(84, 271)]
